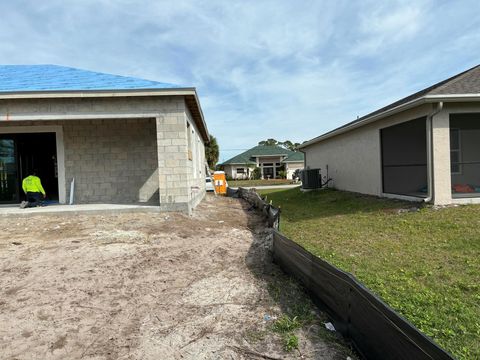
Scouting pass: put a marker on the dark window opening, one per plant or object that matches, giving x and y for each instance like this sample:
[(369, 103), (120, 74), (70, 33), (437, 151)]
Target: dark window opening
[(278, 170), (268, 172), (20, 154)]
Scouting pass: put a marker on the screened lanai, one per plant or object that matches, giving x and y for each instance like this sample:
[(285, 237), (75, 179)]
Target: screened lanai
[(465, 155)]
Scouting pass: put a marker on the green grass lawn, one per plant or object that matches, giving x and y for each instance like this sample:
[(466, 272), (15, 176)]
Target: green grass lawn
[(247, 183), (425, 264)]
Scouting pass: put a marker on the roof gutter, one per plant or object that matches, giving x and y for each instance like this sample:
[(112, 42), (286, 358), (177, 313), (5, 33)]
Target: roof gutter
[(430, 156), (411, 104), (453, 97), (95, 93)]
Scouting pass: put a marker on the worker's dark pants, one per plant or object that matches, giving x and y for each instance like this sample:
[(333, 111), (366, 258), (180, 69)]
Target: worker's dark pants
[(34, 199)]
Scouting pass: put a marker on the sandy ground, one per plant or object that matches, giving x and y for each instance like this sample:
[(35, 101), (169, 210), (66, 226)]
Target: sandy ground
[(144, 286)]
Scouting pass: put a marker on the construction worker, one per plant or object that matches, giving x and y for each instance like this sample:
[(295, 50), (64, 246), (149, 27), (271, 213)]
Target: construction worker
[(33, 189)]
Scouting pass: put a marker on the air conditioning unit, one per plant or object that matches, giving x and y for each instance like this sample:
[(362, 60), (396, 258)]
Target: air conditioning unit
[(311, 179)]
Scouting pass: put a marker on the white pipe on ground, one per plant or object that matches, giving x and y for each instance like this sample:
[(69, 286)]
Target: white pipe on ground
[(72, 190)]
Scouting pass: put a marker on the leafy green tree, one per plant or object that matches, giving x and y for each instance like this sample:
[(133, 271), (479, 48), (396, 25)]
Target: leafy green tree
[(268, 142), (212, 152), (287, 144)]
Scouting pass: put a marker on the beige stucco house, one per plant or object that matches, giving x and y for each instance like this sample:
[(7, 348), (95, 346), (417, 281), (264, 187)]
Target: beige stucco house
[(118, 139), (425, 147), (270, 159)]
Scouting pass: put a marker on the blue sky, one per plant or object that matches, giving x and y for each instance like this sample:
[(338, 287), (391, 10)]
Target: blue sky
[(262, 68)]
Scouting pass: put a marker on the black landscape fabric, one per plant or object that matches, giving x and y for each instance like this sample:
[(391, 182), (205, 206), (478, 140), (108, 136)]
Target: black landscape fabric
[(376, 330)]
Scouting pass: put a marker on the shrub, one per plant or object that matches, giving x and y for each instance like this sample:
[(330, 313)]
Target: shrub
[(282, 174), (256, 173)]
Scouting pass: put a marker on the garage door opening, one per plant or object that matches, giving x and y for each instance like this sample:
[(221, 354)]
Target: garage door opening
[(20, 154), (404, 159)]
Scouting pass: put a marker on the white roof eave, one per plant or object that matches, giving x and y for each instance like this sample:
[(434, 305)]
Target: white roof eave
[(395, 110), (95, 93)]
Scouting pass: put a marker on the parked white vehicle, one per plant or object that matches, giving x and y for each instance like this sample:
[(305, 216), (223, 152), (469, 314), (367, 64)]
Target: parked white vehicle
[(209, 184)]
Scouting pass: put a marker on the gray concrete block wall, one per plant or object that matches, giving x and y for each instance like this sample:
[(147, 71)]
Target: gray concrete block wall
[(122, 160), (113, 161), (173, 159), (181, 180)]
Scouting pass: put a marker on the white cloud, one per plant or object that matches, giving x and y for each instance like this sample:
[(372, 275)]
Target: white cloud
[(262, 68), (388, 23)]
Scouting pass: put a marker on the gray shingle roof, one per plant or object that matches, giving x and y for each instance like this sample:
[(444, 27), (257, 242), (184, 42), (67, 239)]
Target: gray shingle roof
[(467, 82)]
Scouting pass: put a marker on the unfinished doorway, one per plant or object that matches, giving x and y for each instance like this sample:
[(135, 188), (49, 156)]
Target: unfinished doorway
[(20, 155), (404, 158)]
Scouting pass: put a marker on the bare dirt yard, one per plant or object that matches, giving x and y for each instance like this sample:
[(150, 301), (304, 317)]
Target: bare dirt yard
[(153, 286)]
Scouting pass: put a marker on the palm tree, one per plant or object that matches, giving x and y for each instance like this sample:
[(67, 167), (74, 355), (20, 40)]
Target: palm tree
[(212, 152)]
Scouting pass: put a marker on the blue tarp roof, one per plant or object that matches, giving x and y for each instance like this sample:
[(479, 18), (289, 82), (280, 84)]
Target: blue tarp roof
[(18, 78)]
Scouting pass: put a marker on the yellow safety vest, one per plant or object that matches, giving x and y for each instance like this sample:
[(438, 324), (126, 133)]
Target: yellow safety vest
[(32, 184)]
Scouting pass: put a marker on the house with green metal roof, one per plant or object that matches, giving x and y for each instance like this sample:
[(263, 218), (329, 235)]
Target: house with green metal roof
[(271, 159), (100, 138)]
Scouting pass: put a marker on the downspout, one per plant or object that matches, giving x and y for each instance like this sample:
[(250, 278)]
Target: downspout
[(430, 150), (304, 158), (304, 167)]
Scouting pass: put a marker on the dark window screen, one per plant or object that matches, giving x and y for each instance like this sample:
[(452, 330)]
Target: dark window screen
[(404, 158)]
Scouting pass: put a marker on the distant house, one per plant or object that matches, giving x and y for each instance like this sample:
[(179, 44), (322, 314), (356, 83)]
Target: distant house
[(424, 147), (270, 159), (124, 140)]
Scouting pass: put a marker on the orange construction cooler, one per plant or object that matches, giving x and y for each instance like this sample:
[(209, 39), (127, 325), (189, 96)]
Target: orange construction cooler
[(220, 182)]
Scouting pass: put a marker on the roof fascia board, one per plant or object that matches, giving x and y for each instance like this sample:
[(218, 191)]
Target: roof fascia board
[(274, 155), (202, 118), (226, 164), (453, 97), (96, 93)]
